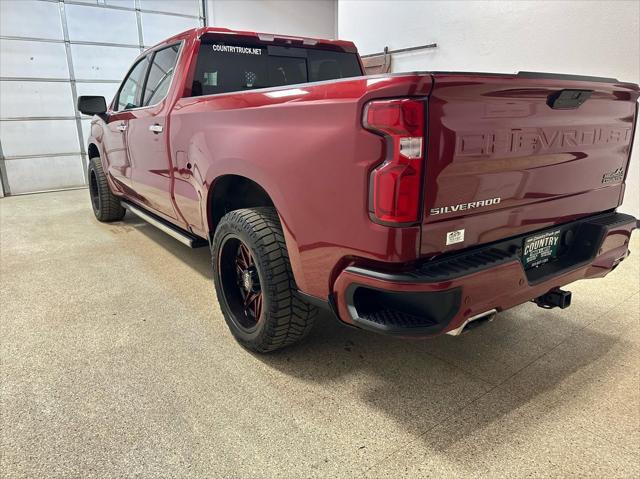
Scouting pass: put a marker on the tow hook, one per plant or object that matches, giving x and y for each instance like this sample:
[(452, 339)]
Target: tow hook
[(556, 298)]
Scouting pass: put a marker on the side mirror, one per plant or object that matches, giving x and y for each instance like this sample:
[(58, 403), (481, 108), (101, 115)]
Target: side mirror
[(92, 105)]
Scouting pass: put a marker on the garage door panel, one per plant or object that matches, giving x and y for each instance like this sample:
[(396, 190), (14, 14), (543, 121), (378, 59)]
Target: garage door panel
[(112, 3), (19, 58), (35, 99), (157, 27), (44, 19), (28, 175), (39, 137), (184, 7), (87, 24), (122, 3), (92, 62), (42, 151)]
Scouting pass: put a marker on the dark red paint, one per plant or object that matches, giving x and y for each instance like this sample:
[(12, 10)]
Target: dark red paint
[(305, 145), (494, 136)]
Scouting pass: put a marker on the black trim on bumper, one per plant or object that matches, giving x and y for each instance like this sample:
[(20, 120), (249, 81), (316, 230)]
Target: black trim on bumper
[(428, 313), (400, 312)]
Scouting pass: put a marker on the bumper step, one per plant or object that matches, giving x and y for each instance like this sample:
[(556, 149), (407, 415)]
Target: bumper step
[(397, 320)]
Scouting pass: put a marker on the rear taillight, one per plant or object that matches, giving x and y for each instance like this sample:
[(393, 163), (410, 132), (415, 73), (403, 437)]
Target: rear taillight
[(396, 184)]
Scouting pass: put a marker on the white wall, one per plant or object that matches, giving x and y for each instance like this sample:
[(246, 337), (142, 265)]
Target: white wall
[(599, 38), (311, 18)]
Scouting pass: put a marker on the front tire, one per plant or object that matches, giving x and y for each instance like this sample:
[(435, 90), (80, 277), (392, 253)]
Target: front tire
[(254, 283), (106, 206)]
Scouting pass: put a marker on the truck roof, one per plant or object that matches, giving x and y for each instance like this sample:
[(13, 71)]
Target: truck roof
[(344, 45)]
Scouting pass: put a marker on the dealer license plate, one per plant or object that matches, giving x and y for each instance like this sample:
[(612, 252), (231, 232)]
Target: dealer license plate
[(540, 249)]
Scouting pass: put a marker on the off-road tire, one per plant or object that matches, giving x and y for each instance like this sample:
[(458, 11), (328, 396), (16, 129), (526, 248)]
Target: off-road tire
[(106, 206), (285, 317)]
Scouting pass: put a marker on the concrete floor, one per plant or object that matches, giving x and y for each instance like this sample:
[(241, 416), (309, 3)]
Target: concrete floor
[(116, 362)]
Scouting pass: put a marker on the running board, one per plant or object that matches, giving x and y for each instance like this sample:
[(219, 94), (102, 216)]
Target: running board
[(186, 238)]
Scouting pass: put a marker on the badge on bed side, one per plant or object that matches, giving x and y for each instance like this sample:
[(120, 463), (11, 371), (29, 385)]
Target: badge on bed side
[(454, 237)]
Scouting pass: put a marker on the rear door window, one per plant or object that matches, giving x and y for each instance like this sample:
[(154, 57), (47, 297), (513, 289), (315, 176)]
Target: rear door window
[(223, 68), (160, 74)]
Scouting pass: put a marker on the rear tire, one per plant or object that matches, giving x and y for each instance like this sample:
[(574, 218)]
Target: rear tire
[(106, 206), (254, 283)]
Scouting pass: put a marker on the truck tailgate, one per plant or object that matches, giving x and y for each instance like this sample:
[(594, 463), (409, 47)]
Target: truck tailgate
[(508, 154)]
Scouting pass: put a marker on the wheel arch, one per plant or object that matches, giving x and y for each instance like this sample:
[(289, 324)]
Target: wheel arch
[(232, 192), (93, 151)]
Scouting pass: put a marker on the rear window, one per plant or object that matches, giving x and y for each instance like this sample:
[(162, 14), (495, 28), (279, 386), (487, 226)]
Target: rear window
[(223, 68)]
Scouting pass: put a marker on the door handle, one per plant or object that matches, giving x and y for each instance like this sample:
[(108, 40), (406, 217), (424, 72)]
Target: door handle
[(122, 126), (156, 128)]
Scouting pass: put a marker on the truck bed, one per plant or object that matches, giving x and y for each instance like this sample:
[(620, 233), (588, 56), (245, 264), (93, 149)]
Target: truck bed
[(313, 133)]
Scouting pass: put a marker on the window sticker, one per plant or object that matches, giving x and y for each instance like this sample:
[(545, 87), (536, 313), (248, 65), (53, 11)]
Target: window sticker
[(231, 49), (211, 78)]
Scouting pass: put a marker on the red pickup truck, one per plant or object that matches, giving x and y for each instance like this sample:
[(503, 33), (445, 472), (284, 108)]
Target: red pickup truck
[(410, 204)]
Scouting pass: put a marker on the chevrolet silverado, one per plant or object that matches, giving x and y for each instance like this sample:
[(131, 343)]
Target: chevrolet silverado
[(409, 204)]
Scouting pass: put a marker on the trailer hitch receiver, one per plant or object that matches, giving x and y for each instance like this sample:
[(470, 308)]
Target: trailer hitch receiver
[(556, 298)]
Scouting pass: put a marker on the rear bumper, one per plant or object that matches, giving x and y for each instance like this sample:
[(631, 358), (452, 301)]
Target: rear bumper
[(442, 294)]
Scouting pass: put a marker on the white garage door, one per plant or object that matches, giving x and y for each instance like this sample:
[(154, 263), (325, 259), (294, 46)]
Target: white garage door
[(50, 53)]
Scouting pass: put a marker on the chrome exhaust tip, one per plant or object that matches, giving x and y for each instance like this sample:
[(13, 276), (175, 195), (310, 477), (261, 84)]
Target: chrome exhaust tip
[(482, 317)]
